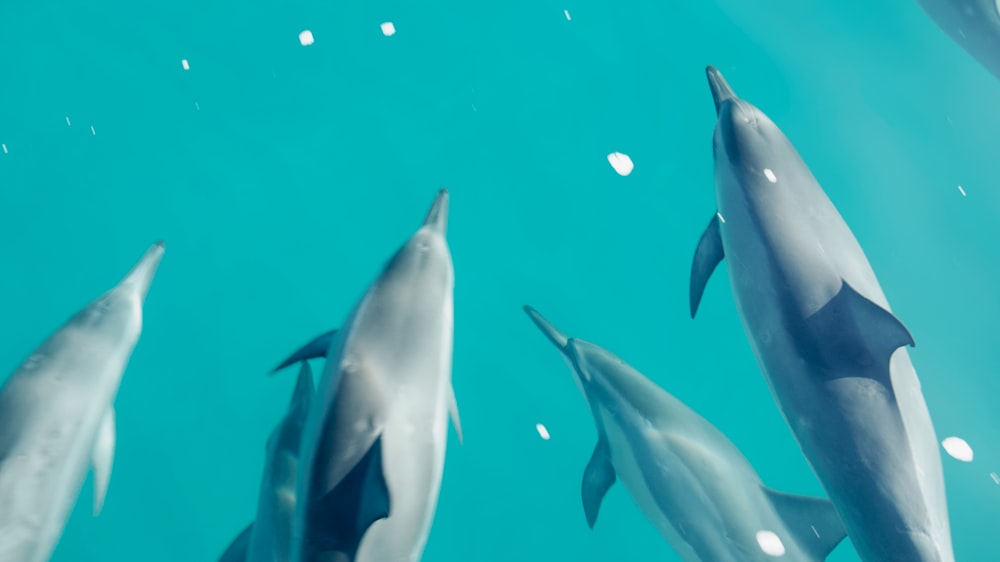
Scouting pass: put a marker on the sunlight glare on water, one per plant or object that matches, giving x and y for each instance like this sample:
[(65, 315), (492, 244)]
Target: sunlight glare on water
[(770, 543)]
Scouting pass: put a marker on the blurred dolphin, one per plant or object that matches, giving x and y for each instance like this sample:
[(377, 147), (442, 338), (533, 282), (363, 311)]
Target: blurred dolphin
[(269, 537), (972, 24), (57, 416)]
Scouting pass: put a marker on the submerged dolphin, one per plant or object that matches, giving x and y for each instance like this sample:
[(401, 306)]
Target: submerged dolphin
[(689, 480), (269, 537), (973, 24), (57, 416), (830, 348), (373, 450)]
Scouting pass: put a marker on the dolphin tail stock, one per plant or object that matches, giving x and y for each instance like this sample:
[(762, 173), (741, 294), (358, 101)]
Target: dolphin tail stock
[(721, 91), (814, 521), (437, 216), (237, 550), (313, 350), (555, 336), (347, 511), (707, 257)]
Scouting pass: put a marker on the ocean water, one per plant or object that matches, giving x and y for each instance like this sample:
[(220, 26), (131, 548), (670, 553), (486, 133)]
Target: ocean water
[(282, 176)]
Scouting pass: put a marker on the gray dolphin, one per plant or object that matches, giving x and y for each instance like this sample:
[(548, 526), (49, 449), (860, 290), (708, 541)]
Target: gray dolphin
[(830, 348), (57, 416), (373, 449), (973, 24), (689, 480), (269, 537)]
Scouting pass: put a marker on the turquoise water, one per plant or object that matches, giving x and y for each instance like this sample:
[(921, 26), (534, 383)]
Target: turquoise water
[(281, 177)]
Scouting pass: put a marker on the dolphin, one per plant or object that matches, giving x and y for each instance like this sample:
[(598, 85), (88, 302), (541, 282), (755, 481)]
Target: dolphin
[(973, 24), (688, 479), (268, 538), (373, 447), (57, 416), (830, 348)]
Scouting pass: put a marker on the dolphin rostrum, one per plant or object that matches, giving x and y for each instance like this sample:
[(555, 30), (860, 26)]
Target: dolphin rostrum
[(689, 480), (973, 24), (57, 416), (830, 348), (373, 448), (269, 537)]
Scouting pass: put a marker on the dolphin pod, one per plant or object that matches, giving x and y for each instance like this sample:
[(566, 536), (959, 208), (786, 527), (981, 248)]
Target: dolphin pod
[(689, 480), (373, 447), (972, 24), (57, 416), (269, 537), (824, 336)]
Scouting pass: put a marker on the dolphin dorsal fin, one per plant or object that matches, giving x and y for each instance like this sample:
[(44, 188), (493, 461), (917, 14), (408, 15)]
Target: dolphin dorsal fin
[(706, 258), (813, 521), (315, 349), (857, 335), (597, 479)]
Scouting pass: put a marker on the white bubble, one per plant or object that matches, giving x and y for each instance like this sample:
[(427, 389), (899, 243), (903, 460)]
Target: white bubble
[(388, 29), (770, 543), (185, 65), (621, 163), (958, 448), (769, 174), (306, 38), (543, 432), (960, 188), (568, 18)]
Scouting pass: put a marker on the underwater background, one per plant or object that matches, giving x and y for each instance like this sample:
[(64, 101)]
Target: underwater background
[(282, 176)]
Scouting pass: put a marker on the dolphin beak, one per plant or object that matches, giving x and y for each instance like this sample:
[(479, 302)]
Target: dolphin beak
[(437, 217), (721, 92), (555, 336), (142, 273)]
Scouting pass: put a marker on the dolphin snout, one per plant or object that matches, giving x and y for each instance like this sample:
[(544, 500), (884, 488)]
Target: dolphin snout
[(141, 276), (721, 91), (437, 217)]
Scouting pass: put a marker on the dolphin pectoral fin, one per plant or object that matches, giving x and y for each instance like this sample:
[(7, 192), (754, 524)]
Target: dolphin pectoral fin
[(453, 412), (347, 511), (103, 457), (597, 479), (313, 350), (706, 258), (856, 334), (814, 521), (237, 550)]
